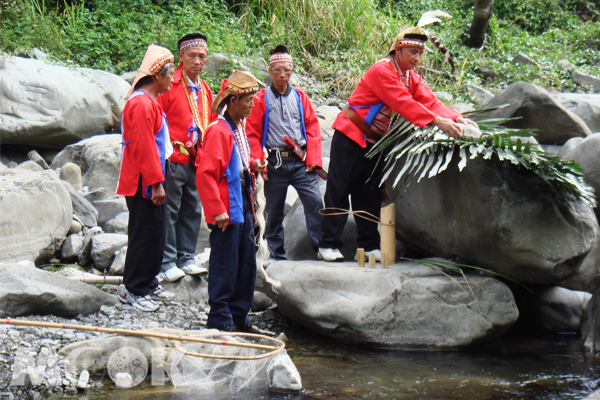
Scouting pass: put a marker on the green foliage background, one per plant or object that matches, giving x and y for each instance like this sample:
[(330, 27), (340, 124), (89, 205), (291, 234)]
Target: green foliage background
[(334, 39)]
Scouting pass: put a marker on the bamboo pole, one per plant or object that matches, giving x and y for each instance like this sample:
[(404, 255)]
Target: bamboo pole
[(388, 231), (99, 280), (372, 260), (127, 332), (385, 260), (361, 257)]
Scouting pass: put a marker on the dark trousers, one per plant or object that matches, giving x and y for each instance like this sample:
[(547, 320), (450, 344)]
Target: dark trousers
[(184, 214), (145, 244), (350, 175), (291, 172), (232, 271)]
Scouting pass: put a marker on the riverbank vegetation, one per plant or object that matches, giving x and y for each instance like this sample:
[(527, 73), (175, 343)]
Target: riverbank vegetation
[(336, 40)]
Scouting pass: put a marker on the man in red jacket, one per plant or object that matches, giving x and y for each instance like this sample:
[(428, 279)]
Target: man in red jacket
[(283, 110), (146, 145), (389, 85), (188, 109)]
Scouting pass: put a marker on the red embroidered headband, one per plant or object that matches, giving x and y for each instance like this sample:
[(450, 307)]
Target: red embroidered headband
[(279, 57), (188, 44)]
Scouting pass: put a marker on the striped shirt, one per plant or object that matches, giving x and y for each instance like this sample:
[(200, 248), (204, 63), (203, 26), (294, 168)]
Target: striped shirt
[(284, 118)]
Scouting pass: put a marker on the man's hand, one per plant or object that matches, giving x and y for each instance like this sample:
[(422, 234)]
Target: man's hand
[(158, 194), (310, 168), (448, 126), (259, 165), (466, 121), (221, 221)]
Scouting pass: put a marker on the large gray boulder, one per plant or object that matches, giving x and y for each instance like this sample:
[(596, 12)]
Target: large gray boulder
[(585, 106), (407, 306), (99, 158), (498, 216), (586, 80), (26, 290), (583, 279), (537, 109), (108, 209), (585, 153), (104, 247), (53, 106), (86, 212), (36, 215)]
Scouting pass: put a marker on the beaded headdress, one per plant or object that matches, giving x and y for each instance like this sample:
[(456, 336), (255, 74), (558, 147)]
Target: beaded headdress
[(411, 37), (279, 58), (239, 84), (192, 43), (156, 57)]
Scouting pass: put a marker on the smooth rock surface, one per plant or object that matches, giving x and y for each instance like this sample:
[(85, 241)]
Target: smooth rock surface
[(36, 215), (283, 374), (586, 80), (407, 306), (98, 157), (583, 279), (71, 173), (479, 95), (53, 106), (326, 116), (26, 290), (104, 247), (71, 248), (189, 289), (118, 265), (86, 212), (585, 106), (497, 216), (118, 224), (537, 109), (109, 209)]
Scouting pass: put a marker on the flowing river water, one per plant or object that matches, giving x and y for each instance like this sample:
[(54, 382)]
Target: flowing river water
[(516, 367)]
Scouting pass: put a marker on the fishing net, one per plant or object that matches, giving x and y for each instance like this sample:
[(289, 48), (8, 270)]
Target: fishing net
[(223, 369)]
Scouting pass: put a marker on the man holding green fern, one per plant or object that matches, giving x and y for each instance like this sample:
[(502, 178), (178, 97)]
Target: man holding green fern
[(389, 86)]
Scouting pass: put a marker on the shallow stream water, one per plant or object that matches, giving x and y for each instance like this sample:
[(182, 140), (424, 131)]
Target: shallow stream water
[(515, 367)]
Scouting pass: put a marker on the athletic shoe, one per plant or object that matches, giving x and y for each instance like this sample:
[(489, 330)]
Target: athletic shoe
[(247, 328), (143, 303), (172, 274), (160, 294), (223, 328), (376, 252), (330, 255), (193, 269)]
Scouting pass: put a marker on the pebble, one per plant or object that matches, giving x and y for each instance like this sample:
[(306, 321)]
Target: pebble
[(14, 334), (84, 378)]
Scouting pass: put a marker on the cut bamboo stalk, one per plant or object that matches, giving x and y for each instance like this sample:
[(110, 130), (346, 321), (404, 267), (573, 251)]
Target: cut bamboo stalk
[(99, 280), (372, 260), (388, 231), (385, 260), (361, 257)]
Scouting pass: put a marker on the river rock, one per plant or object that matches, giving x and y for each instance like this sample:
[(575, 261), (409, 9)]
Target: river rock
[(118, 265), (283, 374), (189, 289), (30, 166), (104, 247), (479, 95), (585, 153), (26, 290), (523, 59), (326, 116), (84, 210), (408, 305), (118, 224), (586, 80), (585, 106), (71, 248), (297, 243), (53, 106), (537, 109), (71, 173), (76, 226), (498, 216), (36, 215), (261, 302), (98, 157), (35, 157), (584, 278), (110, 208)]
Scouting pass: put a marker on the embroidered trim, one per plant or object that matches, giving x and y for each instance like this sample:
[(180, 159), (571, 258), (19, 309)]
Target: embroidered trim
[(188, 44), (201, 123), (158, 64), (280, 57), (410, 42)]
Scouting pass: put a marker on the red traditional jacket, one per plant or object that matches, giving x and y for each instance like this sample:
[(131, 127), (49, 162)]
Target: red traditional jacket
[(179, 114), (257, 127), (144, 133), (218, 174), (381, 85)]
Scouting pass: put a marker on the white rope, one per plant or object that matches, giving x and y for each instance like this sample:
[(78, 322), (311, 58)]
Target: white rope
[(263, 248)]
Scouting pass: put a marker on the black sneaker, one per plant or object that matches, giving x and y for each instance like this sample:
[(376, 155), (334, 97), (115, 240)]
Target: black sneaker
[(247, 328), (223, 328)]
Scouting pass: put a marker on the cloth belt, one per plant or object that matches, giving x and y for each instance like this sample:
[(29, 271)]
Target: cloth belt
[(370, 133)]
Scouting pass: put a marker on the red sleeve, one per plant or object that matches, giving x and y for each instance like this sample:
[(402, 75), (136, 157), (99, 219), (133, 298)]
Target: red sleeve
[(144, 122), (382, 79), (254, 125), (425, 96), (163, 100), (212, 165), (313, 132)]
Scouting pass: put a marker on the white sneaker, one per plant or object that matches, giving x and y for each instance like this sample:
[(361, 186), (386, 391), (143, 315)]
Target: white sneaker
[(160, 294), (144, 303), (330, 255), (172, 274), (376, 252), (193, 269)]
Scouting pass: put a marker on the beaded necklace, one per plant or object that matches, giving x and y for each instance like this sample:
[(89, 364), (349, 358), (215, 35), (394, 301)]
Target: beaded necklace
[(201, 123)]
